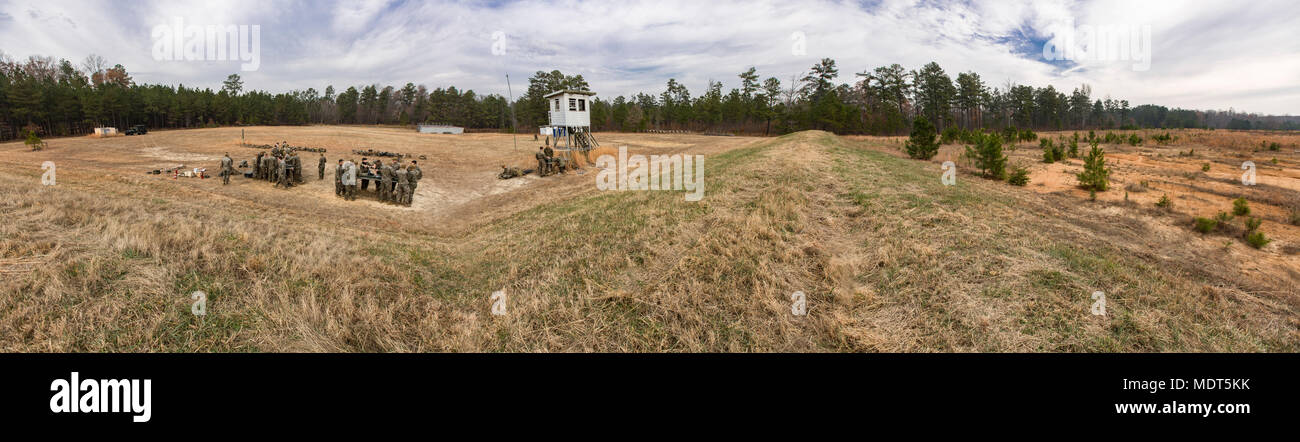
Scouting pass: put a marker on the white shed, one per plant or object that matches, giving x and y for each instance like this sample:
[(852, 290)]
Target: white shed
[(570, 108), (440, 129)]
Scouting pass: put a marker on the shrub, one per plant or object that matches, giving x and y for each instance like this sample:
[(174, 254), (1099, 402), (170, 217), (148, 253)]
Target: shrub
[(1252, 224), (1295, 217), (1028, 135), (1049, 154), (1205, 167), (951, 135), (1222, 217), (34, 142), (921, 145), (1274, 146), (1074, 146), (1205, 225), (1095, 175), (1164, 202), (1134, 140), (1011, 134), (988, 157), (1162, 138), (1019, 176), (1240, 207), (1257, 239)]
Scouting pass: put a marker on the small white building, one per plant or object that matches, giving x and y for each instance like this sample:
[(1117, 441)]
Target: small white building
[(440, 129), (570, 108)]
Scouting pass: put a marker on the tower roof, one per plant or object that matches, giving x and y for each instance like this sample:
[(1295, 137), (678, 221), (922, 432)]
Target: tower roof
[(569, 91)]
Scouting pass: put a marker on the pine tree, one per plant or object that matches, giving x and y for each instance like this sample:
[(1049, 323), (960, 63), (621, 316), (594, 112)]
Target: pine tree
[(922, 144), (1095, 175), (988, 157)]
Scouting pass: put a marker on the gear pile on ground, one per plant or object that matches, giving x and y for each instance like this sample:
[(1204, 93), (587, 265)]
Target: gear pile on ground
[(290, 147), (378, 153)]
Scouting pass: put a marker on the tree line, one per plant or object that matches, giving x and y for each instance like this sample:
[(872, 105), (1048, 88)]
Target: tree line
[(52, 97)]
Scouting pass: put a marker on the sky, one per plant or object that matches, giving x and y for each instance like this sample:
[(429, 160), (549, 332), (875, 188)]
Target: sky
[(1189, 54)]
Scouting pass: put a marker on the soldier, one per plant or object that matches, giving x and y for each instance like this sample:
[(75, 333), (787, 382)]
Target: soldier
[(257, 165), (365, 168), (403, 186), (338, 178), (289, 158), (386, 182), (283, 176), (381, 186), (509, 172), (550, 153), (349, 180), (267, 172), (297, 168), (541, 161), (322, 167), (275, 171), (413, 175), (227, 169)]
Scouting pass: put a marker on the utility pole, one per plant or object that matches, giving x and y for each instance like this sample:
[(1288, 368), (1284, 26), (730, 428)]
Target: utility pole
[(514, 123)]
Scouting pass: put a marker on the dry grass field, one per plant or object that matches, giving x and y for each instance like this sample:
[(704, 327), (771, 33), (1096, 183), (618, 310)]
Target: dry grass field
[(890, 259)]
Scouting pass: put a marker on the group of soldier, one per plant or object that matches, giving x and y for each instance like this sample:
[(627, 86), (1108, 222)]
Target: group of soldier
[(282, 167), (548, 163), (394, 183)]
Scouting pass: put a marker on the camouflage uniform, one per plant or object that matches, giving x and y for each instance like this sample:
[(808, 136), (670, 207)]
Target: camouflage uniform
[(295, 166), (284, 174), (413, 176), (386, 183), (227, 169), (322, 166), (541, 162), (365, 167), (338, 179), (509, 172), (349, 180), (403, 188), (257, 166)]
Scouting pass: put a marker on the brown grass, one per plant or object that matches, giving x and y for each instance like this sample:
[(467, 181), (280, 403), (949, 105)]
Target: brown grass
[(890, 259)]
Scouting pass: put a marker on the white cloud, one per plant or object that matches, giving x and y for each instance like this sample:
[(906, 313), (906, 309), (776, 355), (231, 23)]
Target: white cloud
[(1205, 54)]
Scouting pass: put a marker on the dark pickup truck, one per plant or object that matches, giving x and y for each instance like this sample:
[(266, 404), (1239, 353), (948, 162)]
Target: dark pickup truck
[(138, 129)]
